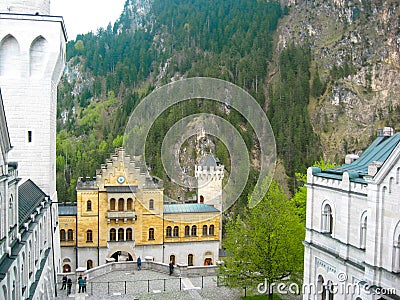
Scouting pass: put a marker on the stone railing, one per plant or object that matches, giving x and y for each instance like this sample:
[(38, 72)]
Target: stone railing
[(121, 214), (180, 270)]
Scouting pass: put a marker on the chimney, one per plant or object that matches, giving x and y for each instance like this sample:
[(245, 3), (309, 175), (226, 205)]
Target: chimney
[(385, 131)]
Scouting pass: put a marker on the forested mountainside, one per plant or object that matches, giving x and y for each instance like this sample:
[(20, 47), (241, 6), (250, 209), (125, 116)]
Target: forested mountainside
[(283, 54), (355, 66)]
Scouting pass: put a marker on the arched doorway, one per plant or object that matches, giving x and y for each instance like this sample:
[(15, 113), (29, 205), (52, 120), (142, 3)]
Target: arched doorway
[(208, 261), (122, 256), (66, 268)]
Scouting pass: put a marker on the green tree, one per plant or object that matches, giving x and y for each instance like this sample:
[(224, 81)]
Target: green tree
[(266, 245)]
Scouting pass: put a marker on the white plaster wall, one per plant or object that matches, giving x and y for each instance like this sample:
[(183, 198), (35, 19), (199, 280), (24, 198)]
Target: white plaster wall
[(30, 102)]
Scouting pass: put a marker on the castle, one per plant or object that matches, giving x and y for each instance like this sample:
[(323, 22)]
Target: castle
[(352, 244), (121, 215), (32, 58)]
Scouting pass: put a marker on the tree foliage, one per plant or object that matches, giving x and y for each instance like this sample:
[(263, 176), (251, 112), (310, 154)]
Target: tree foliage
[(265, 244)]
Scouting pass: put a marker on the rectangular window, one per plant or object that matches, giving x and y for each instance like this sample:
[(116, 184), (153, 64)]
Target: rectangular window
[(29, 136)]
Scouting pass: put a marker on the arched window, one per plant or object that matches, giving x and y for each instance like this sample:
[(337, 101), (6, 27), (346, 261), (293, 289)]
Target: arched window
[(321, 291), (151, 234), (172, 259), (9, 57), (89, 264), (201, 199), (151, 204), (176, 231), (129, 234), (190, 260), (112, 204), (37, 55), (327, 219), (129, 204), (120, 204), (363, 231), (396, 244), (113, 234), (89, 205), (62, 235), (89, 236), (194, 230), (187, 230), (70, 235), (211, 230), (121, 234), (168, 231), (205, 231), (391, 182)]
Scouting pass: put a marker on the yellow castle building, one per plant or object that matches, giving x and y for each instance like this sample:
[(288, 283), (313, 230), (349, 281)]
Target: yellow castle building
[(120, 215)]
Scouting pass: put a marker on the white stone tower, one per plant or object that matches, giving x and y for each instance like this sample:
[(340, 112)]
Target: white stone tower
[(32, 59), (209, 174)]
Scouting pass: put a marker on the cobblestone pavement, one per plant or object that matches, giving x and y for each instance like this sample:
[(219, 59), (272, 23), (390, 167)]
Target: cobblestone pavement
[(148, 284)]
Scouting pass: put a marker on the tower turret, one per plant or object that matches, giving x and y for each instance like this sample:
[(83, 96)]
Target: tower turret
[(32, 58), (209, 174)]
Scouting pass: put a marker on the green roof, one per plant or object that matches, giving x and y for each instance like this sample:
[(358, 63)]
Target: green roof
[(29, 197), (188, 208), (379, 151)]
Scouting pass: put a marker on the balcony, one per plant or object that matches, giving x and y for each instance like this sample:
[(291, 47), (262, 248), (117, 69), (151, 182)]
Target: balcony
[(121, 215)]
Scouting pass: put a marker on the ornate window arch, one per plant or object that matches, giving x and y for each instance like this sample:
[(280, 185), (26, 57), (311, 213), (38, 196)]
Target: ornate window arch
[(62, 235), (37, 56), (70, 235), (194, 231), (151, 204), (396, 248), (89, 205), (151, 233), (363, 230), (187, 230), (129, 234), (211, 230), (9, 56), (113, 234), (89, 236), (168, 231), (205, 230), (176, 231), (327, 220)]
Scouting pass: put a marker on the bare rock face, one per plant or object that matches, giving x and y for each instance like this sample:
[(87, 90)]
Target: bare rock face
[(355, 46)]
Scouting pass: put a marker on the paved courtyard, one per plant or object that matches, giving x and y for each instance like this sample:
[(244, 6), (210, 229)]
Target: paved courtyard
[(147, 284)]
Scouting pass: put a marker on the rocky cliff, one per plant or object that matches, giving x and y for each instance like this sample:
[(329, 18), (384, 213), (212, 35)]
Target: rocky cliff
[(355, 49)]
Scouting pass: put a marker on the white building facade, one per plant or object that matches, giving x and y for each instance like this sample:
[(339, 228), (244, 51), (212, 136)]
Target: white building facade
[(352, 244), (32, 58)]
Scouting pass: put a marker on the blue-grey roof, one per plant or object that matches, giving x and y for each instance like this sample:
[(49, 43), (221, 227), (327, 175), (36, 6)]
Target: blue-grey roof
[(29, 197), (379, 151), (121, 188), (67, 209), (188, 208), (209, 161)]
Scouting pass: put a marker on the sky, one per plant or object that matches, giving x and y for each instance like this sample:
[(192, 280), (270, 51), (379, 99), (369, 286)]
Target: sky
[(83, 16)]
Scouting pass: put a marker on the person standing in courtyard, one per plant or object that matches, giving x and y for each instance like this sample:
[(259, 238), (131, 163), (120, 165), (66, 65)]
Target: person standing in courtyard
[(64, 282), (84, 285), (171, 267), (80, 283), (139, 263), (69, 285)]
